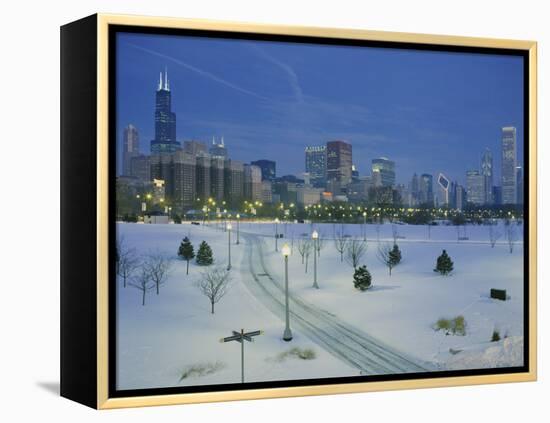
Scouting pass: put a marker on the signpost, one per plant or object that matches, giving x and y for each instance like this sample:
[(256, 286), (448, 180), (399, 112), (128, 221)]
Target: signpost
[(241, 337)]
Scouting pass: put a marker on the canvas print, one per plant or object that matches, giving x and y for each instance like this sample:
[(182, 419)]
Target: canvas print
[(304, 212)]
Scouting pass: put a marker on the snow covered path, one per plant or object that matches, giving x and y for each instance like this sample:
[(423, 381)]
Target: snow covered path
[(342, 340)]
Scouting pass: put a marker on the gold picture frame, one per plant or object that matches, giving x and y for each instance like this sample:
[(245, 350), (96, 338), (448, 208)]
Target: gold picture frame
[(83, 391)]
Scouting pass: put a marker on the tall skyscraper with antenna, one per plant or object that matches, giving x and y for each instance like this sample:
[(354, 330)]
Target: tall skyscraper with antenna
[(165, 119)]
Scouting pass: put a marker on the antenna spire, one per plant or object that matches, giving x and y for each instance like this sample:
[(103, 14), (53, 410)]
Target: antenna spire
[(166, 83), (160, 82)]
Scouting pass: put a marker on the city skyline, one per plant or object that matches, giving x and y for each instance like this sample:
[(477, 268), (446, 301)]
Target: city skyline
[(327, 112)]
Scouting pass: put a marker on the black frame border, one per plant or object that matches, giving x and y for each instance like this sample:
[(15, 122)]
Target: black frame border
[(113, 30)]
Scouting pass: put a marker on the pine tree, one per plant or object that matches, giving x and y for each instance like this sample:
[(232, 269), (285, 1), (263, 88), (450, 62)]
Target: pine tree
[(444, 264), (395, 255), (362, 278), (204, 255), (186, 251)]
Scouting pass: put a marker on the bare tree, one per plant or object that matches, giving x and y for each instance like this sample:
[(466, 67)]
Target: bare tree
[(143, 282), (214, 284), (340, 242), (302, 247), (308, 249), (510, 234), (394, 233), (494, 233), (158, 268), (385, 256), (377, 228), (127, 261), (355, 250)]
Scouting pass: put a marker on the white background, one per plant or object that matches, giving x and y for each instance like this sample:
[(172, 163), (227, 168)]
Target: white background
[(29, 265)]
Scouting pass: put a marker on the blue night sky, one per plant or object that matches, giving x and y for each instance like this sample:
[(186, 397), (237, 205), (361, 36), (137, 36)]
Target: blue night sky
[(430, 112)]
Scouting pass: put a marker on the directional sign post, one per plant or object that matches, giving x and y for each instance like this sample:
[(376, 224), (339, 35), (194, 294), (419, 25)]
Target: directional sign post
[(241, 337)]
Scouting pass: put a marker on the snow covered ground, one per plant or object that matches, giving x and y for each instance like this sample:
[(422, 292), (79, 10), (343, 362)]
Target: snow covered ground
[(175, 331)]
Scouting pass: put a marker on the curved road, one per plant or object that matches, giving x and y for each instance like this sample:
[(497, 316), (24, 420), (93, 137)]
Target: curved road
[(342, 340)]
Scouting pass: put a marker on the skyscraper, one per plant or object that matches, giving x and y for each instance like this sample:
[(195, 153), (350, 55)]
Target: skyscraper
[(184, 180), (203, 175), (268, 169), (316, 164), (487, 173), (444, 187), (386, 169), (233, 182), (426, 189), (509, 165), (217, 178), (414, 191), (475, 189), (165, 119), (252, 182), (130, 148), (339, 162)]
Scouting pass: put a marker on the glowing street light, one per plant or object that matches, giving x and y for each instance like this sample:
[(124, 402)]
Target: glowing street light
[(287, 334), (229, 245), (315, 237)]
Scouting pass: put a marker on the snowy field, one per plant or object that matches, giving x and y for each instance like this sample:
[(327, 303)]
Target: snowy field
[(175, 331)]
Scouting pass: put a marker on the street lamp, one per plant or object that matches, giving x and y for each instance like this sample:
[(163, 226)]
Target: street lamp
[(287, 334), (315, 237), (364, 226), (276, 233), (238, 219), (229, 245)]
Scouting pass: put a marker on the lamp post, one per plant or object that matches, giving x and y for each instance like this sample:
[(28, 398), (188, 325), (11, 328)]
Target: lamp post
[(276, 233), (364, 226), (287, 334), (228, 227), (315, 237), (238, 218)]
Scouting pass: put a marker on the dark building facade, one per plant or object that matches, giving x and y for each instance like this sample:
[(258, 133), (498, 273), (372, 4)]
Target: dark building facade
[(140, 167), (316, 164), (339, 162)]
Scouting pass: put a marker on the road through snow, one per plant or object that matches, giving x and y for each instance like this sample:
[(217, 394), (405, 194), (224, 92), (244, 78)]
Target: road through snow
[(342, 340)]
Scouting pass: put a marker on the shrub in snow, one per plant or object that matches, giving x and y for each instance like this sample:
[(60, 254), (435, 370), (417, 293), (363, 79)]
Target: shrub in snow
[(362, 278), (395, 255), (496, 336), (186, 251), (204, 255), (201, 369), (456, 326), (301, 353), (444, 264)]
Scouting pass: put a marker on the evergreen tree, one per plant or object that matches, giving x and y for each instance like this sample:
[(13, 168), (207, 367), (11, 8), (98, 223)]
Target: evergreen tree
[(186, 251), (204, 255), (444, 264), (395, 255), (362, 278)]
